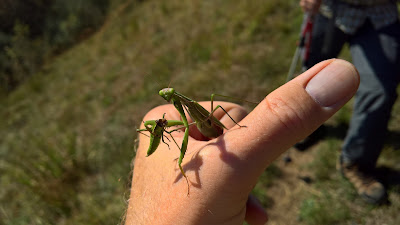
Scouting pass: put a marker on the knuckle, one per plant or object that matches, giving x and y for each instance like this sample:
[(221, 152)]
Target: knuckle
[(287, 112)]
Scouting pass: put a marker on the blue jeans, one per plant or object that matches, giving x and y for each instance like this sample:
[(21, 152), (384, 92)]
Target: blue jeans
[(376, 55)]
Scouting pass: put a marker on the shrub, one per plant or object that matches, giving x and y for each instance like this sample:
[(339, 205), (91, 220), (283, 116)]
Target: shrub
[(34, 30)]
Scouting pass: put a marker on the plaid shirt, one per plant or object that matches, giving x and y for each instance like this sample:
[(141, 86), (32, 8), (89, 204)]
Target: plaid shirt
[(352, 14)]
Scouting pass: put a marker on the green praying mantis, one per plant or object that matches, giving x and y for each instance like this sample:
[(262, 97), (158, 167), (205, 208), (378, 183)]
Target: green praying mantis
[(206, 123)]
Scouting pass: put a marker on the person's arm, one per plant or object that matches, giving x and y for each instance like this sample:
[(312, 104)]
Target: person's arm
[(310, 6), (224, 170)]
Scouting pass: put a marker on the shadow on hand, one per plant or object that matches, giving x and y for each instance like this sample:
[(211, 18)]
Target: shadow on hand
[(196, 161)]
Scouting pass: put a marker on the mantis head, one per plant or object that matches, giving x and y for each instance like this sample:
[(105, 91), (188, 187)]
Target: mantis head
[(162, 122), (167, 93)]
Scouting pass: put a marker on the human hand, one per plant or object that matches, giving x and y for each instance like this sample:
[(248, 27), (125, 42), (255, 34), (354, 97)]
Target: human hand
[(224, 170), (310, 6)]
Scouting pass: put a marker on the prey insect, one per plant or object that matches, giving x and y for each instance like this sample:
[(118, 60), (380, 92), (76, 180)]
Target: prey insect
[(156, 128), (207, 124)]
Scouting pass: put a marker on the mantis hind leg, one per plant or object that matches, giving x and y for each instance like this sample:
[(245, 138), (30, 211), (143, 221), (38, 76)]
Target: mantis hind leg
[(219, 106)]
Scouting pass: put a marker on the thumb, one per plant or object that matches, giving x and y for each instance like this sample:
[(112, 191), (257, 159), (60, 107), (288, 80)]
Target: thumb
[(291, 113)]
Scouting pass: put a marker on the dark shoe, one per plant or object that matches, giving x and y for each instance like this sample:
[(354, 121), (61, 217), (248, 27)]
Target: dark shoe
[(364, 181), (311, 140)]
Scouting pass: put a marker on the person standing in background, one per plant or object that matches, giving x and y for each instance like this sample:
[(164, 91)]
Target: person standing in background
[(372, 30)]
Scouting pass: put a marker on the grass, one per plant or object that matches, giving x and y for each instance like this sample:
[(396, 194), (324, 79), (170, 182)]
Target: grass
[(320, 210), (67, 134)]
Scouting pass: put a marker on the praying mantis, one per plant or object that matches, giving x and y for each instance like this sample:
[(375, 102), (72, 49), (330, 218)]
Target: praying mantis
[(206, 123)]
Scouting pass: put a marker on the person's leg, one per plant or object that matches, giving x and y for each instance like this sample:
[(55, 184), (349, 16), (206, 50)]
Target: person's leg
[(376, 55)]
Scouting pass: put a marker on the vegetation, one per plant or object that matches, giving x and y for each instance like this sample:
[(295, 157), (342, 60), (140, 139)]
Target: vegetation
[(67, 133), (34, 31)]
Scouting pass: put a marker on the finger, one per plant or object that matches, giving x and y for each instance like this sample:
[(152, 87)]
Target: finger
[(237, 112), (290, 113), (255, 213)]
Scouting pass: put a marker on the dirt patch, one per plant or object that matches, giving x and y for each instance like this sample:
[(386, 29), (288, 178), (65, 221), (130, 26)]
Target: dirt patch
[(287, 193)]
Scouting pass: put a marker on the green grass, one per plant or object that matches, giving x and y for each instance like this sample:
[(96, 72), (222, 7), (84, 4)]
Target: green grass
[(67, 134), (320, 210)]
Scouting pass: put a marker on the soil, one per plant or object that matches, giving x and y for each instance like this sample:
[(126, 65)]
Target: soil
[(287, 193)]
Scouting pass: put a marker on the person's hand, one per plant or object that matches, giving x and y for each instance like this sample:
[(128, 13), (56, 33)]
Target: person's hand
[(223, 171), (310, 6)]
